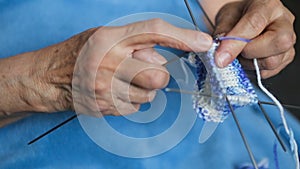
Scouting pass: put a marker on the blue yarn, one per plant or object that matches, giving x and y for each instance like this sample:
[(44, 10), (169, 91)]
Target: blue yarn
[(234, 38), (201, 72)]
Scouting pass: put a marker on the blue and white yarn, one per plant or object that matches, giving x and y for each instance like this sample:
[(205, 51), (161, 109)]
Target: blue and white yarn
[(214, 84)]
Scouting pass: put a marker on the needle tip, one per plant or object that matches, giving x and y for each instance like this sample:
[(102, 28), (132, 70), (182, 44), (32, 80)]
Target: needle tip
[(167, 89)]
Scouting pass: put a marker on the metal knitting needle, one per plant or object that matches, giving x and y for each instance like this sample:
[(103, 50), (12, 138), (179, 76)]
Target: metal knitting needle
[(259, 103), (52, 129), (191, 14), (175, 59), (186, 92), (285, 105), (242, 135), (172, 60), (193, 18), (75, 116), (266, 116), (272, 126), (206, 16), (202, 94)]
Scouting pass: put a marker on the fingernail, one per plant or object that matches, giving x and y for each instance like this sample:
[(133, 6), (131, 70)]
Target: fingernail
[(222, 59), (159, 60), (206, 41), (151, 96), (203, 43)]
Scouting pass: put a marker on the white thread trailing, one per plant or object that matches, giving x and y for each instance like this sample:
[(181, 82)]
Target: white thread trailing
[(293, 144)]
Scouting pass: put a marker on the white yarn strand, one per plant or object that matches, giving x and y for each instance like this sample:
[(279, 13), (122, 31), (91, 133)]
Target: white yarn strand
[(278, 104), (280, 107)]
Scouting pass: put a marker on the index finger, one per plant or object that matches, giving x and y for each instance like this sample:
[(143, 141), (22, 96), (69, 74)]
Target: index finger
[(257, 17), (156, 31)]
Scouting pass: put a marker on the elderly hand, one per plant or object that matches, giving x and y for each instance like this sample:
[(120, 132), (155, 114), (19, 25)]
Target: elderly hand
[(111, 70), (270, 26), (118, 69)]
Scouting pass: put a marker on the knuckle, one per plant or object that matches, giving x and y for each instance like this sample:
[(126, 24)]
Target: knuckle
[(291, 56), (271, 63), (267, 74), (97, 37), (285, 41), (293, 53), (155, 25), (290, 15), (103, 83), (157, 78), (101, 87)]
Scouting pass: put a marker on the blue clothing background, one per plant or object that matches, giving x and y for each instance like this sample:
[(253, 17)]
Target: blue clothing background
[(32, 24)]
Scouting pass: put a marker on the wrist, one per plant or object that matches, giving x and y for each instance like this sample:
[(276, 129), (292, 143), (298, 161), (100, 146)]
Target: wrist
[(57, 72), (40, 81)]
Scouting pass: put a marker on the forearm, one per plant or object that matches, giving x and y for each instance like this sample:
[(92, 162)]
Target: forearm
[(212, 7), (40, 81)]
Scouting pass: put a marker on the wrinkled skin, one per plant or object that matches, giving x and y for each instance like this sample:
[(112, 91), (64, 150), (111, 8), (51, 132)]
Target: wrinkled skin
[(125, 68), (117, 69), (101, 71)]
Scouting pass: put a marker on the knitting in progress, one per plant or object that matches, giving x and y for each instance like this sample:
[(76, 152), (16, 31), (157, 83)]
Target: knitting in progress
[(217, 84), (216, 88)]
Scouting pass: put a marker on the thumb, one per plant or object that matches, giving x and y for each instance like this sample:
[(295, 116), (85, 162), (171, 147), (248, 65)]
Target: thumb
[(256, 17), (228, 16)]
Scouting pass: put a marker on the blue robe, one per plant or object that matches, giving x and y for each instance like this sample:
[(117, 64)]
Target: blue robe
[(30, 25)]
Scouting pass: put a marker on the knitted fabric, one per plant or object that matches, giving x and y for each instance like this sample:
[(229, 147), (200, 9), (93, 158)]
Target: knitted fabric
[(214, 84)]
